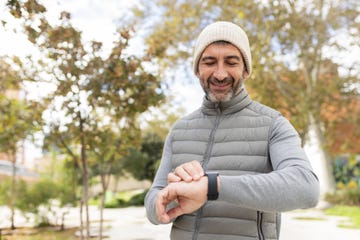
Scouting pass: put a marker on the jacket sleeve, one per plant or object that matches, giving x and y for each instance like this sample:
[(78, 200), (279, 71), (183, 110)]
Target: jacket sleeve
[(160, 182), (291, 185)]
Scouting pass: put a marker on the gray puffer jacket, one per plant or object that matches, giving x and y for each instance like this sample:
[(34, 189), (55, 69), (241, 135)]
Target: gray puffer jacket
[(263, 170)]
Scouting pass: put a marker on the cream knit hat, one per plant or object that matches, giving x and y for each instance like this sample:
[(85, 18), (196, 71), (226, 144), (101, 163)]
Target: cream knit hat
[(223, 31)]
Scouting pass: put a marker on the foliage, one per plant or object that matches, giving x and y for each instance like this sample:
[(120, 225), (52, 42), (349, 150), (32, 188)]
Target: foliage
[(345, 197), (347, 172), (21, 188), (137, 199), (346, 211), (37, 198), (96, 94), (120, 201), (19, 118), (142, 163), (161, 119)]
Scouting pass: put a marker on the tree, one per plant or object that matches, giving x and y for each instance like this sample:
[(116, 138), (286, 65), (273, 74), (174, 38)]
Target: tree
[(10, 195), (108, 147), (290, 43), (19, 118), (94, 92), (142, 162)]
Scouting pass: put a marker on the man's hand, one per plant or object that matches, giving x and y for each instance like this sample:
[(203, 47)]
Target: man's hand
[(190, 196), (190, 171)]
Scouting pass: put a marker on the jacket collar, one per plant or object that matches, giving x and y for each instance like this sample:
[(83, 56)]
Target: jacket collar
[(236, 104)]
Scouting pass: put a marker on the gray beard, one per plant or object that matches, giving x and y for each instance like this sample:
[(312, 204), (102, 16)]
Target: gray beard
[(235, 90), (225, 98)]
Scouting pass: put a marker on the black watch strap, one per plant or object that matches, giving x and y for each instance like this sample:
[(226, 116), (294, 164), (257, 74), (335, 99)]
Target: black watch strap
[(213, 193)]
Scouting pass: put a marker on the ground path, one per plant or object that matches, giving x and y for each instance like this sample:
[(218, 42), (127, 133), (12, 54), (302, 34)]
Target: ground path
[(131, 224)]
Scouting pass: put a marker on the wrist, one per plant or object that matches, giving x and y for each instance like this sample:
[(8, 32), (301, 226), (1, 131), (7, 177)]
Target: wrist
[(213, 185)]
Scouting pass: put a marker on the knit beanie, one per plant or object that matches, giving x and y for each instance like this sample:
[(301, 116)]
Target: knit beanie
[(223, 31)]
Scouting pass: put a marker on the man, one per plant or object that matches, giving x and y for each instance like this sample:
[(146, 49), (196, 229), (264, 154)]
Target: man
[(229, 168)]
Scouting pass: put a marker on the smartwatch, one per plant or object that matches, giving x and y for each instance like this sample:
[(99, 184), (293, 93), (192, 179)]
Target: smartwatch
[(213, 193)]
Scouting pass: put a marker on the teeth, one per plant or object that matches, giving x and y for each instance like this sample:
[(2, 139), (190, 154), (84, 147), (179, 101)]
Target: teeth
[(220, 85)]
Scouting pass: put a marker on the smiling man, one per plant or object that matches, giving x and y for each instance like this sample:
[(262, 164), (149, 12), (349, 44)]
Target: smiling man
[(221, 71), (231, 167)]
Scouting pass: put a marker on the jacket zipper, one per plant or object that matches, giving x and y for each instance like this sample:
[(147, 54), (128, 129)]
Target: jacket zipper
[(204, 165), (259, 225)]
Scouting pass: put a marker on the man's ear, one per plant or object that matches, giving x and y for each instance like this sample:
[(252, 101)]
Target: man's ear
[(245, 74)]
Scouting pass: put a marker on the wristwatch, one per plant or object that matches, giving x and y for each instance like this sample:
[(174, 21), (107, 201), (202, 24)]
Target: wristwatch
[(213, 193)]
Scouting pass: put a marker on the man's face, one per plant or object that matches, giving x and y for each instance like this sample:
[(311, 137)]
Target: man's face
[(221, 71)]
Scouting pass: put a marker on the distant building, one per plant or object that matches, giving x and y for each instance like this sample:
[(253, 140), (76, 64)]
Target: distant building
[(6, 171)]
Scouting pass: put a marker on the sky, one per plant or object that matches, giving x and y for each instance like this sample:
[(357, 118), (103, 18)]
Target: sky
[(97, 21)]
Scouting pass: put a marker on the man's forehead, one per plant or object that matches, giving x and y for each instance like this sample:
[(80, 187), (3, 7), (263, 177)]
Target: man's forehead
[(223, 47)]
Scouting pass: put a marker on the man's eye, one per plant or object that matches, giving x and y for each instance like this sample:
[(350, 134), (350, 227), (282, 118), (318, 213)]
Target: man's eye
[(209, 63), (232, 63)]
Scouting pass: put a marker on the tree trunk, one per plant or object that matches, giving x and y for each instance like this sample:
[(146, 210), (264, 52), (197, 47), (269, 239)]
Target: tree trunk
[(81, 220), (62, 225), (85, 179), (320, 158), (102, 205), (105, 185), (13, 190)]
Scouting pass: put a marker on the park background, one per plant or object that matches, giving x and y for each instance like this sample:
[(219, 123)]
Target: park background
[(89, 90)]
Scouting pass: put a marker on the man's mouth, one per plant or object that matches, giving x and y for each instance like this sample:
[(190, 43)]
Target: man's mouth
[(220, 85)]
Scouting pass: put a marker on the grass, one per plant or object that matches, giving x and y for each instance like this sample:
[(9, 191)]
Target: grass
[(352, 212), (41, 234), (310, 218)]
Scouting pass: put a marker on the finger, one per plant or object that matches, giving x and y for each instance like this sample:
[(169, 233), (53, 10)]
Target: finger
[(175, 212), (160, 205), (171, 177), (197, 170), (182, 174), (191, 171)]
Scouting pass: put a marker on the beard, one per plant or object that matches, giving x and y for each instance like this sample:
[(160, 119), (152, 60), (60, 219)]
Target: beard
[(213, 97)]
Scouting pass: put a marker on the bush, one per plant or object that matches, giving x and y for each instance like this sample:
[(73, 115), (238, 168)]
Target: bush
[(135, 200), (345, 197), (114, 203), (347, 172)]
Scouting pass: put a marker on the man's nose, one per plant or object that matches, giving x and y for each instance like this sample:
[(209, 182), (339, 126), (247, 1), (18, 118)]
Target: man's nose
[(220, 73)]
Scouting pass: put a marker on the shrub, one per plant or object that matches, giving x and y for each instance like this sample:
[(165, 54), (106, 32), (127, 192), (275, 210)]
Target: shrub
[(135, 200), (345, 197), (347, 172), (114, 203)]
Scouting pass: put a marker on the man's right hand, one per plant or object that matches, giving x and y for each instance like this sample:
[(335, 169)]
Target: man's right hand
[(190, 196), (190, 171)]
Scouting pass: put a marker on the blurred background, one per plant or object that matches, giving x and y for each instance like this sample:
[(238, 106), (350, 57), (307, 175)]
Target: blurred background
[(89, 90)]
